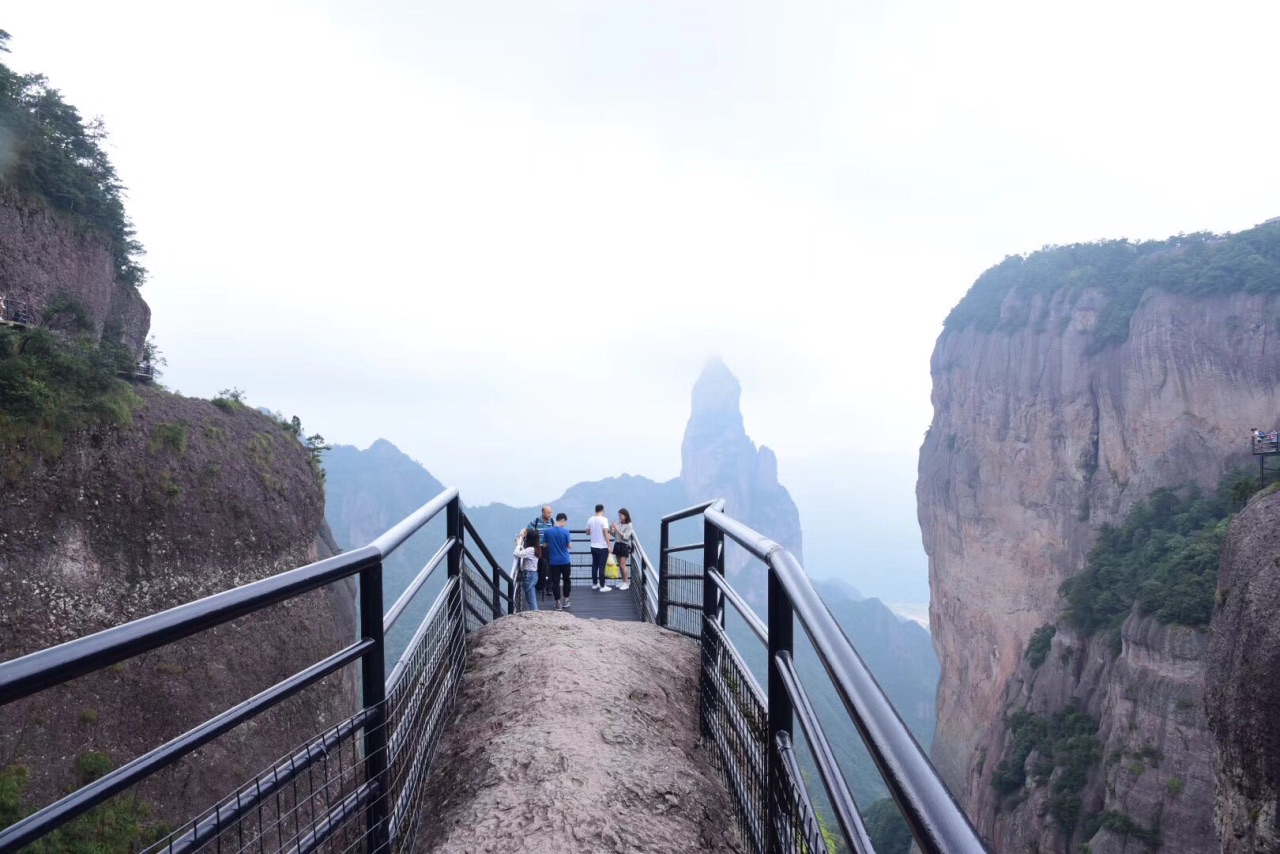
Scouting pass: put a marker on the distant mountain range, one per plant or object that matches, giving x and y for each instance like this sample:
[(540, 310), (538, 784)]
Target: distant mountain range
[(370, 490)]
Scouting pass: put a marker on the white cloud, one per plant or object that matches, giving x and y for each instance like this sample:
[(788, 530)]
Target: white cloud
[(474, 228)]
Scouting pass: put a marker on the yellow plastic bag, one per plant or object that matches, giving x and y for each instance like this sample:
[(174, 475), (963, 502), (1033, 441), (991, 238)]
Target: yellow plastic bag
[(611, 567)]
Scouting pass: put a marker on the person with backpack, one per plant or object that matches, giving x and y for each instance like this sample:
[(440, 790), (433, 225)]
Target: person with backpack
[(557, 549), (598, 528), (528, 550)]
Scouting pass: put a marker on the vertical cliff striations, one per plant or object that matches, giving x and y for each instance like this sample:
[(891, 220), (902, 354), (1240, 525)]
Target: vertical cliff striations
[(1066, 388), (1243, 689)]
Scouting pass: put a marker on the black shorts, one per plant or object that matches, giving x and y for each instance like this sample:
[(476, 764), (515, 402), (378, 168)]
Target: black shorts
[(622, 549)]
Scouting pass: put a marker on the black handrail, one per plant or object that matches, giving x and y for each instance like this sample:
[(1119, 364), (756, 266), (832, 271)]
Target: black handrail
[(934, 817), (47, 668), (401, 603)]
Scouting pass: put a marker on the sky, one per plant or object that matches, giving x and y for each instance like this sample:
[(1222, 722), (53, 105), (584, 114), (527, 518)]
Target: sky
[(507, 235)]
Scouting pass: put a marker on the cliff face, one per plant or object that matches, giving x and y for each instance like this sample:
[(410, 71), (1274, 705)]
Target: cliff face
[(187, 501), (1038, 438), (1243, 691), (719, 460), (43, 255)]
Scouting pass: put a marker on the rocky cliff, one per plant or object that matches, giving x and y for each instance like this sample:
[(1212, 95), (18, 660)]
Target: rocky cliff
[(1243, 689), (45, 255), (184, 500), (719, 460), (1067, 387)]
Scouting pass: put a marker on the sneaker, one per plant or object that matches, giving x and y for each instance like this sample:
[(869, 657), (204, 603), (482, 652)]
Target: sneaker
[(604, 588), (559, 607), (595, 586), (566, 604), (626, 585)]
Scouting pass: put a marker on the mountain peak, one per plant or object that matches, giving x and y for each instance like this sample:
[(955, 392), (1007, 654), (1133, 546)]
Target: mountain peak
[(717, 390)]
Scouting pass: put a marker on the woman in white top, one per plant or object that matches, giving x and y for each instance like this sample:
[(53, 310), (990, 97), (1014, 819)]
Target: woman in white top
[(623, 534), (529, 564)]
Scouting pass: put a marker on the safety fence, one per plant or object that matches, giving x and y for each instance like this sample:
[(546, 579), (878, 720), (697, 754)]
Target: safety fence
[(751, 730), (355, 787)]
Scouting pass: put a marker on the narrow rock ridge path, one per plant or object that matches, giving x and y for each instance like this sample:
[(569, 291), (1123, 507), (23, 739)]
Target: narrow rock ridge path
[(576, 735)]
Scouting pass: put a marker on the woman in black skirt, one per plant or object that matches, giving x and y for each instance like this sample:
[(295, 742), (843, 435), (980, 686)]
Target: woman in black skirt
[(623, 536)]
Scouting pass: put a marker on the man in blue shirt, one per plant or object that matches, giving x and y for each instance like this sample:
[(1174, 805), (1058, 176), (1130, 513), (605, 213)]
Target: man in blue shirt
[(557, 551)]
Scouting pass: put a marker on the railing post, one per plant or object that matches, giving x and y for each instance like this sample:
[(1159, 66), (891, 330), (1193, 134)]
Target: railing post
[(373, 676), (781, 712), (497, 600), (664, 560), (453, 521), (710, 601)]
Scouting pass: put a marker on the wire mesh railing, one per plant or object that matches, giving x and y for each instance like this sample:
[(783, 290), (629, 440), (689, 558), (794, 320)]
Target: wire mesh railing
[(733, 714), (290, 805), (355, 787), (683, 584), (753, 733)]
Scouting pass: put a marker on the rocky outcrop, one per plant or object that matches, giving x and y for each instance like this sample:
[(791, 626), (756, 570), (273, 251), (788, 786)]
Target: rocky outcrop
[(1243, 689), (527, 768), (188, 500), (44, 254), (1152, 768), (1038, 438), (719, 460)]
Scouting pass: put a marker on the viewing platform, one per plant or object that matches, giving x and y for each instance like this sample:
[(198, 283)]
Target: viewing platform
[(15, 314), (494, 730)]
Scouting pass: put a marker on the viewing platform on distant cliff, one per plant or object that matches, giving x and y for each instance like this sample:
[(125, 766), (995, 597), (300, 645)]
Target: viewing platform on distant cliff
[(1261, 443), (14, 313)]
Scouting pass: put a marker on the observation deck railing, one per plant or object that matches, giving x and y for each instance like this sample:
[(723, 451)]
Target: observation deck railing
[(750, 729), (357, 786)]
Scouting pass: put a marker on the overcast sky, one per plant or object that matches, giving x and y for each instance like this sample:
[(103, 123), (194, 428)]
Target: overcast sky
[(421, 220)]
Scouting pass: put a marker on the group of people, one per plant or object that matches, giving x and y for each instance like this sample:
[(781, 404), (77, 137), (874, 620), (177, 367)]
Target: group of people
[(543, 547)]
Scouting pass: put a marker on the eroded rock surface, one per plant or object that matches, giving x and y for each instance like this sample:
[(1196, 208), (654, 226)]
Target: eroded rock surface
[(187, 501), (576, 735), (44, 254), (1039, 437), (1244, 680)]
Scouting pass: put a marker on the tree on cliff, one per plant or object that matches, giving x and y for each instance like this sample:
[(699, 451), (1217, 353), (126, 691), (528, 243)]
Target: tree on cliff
[(56, 155)]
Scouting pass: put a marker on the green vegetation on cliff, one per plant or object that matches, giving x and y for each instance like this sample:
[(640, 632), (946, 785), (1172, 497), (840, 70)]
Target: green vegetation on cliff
[(59, 157), (1164, 557), (1015, 293), (1063, 746), (123, 823), (50, 387)]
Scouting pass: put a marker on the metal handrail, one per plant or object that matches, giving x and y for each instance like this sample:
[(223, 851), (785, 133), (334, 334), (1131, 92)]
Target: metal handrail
[(402, 602), (757, 626), (935, 819), (56, 665), (48, 668), (394, 538), (689, 512), (87, 797)]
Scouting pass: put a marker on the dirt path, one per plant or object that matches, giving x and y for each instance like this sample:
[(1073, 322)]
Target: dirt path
[(576, 735)]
